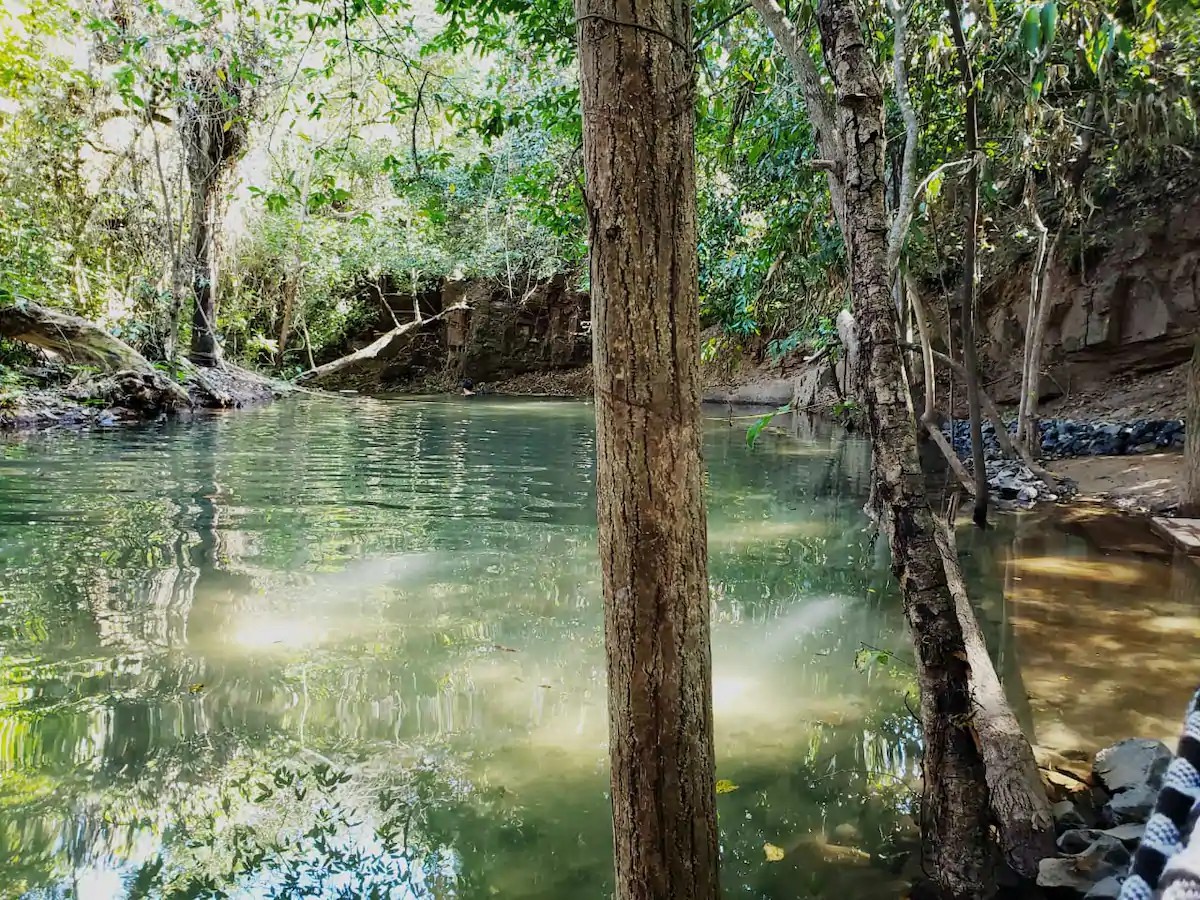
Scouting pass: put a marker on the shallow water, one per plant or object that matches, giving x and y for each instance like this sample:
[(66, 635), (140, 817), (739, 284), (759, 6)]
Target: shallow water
[(407, 592)]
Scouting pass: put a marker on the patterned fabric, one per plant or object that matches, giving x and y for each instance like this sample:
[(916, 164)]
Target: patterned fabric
[(1167, 863)]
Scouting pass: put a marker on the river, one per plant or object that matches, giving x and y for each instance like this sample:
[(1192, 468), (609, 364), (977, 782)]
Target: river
[(323, 646)]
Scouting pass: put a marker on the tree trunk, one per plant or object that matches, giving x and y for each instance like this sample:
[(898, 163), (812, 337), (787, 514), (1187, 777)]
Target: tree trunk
[(970, 244), (1191, 500), (79, 341), (1016, 793), (204, 350), (954, 808), (637, 95)]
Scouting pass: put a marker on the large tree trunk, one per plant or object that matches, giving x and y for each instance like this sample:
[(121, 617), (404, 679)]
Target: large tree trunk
[(1191, 500), (636, 85), (954, 808)]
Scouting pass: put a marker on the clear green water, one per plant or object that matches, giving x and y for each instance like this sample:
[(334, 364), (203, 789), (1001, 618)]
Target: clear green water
[(407, 592)]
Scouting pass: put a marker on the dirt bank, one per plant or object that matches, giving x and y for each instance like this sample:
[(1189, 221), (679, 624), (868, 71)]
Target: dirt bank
[(1146, 483)]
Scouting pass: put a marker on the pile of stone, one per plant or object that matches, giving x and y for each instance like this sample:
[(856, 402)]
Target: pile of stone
[(1100, 815), (1067, 437)]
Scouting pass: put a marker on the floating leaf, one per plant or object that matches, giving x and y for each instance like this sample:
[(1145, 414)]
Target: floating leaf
[(196, 688), (725, 786), (774, 854)]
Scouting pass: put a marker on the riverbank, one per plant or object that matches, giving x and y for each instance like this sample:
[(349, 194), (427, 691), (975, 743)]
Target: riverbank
[(48, 397)]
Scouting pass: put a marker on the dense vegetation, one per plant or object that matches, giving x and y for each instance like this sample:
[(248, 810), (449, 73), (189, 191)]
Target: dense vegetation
[(374, 143)]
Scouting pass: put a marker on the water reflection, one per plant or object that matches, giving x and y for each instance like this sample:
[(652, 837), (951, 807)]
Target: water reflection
[(407, 591)]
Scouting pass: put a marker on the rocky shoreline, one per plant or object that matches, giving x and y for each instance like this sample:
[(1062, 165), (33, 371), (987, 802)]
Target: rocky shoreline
[(1067, 438), (52, 397), (1100, 814)]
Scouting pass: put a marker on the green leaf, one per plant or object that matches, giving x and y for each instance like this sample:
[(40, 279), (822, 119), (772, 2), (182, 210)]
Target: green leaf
[(725, 786), (1049, 23), (1038, 83), (1031, 31), (755, 430)]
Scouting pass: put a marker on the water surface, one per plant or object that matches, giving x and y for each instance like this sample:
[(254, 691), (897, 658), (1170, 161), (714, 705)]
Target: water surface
[(324, 646)]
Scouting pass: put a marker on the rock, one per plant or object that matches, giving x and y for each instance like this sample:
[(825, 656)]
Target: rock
[(1078, 840), (1080, 873), (1108, 889), (1067, 816), (1130, 764), (1129, 834), (1130, 807)]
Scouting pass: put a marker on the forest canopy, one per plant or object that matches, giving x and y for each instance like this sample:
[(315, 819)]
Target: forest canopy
[(325, 153)]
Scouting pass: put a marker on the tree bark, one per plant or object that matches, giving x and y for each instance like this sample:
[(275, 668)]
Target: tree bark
[(970, 244), (1015, 791), (1192, 435), (204, 350), (79, 341), (954, 810), (637, 96)]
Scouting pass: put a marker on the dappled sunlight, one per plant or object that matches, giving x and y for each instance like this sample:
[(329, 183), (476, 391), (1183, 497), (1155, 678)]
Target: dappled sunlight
[(1105, 645), (1080, 570)]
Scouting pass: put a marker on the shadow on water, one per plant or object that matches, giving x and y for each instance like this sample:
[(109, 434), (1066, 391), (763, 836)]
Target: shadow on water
[(200, 625)]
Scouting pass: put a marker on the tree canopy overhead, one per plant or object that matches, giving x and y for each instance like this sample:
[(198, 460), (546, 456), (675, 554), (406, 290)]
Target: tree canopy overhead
[(392, 145)]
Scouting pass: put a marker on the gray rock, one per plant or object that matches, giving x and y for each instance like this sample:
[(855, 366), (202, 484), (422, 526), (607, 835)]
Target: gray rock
[(1080, 873), (1129, 834), (1131, 806), (1065, 874), (1108, 889), (1132, 763), (1066, 816), (1078, 840)]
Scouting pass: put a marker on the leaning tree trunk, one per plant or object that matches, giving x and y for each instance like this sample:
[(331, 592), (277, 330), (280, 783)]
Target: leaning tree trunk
[(954, 809), (637, 95)]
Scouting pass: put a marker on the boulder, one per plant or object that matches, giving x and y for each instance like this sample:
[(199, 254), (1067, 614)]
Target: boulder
[(1078, 839)]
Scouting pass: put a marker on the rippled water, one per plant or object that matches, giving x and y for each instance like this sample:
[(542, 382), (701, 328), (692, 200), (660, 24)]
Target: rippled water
[(334, 644)]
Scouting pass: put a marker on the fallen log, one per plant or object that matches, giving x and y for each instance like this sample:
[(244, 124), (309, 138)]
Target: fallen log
[(82, 342), (376, 350), (1016, 794)]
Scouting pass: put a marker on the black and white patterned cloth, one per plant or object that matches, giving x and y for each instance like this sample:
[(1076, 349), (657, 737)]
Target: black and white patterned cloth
[(1166, 865)]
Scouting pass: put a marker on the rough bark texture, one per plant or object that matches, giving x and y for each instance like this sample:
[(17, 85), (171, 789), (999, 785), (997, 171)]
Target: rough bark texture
[(1015, 791), (954, 809), (637, 94), (1191, 501)]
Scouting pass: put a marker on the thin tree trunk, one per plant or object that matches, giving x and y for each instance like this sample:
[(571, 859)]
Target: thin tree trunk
[(204, 351), (637, 96), (954, 809), (1035, 335), (970, 244), (1192, 435)]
